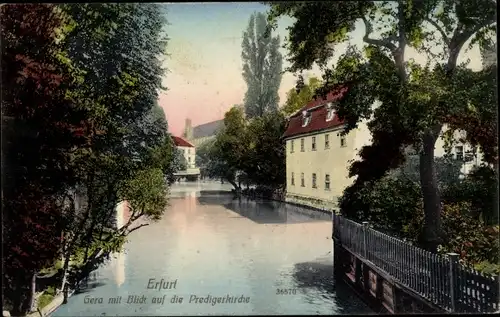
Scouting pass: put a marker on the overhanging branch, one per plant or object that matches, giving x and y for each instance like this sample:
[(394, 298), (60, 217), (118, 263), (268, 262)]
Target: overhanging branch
[(445, 37), (366, 38), (139, 226)]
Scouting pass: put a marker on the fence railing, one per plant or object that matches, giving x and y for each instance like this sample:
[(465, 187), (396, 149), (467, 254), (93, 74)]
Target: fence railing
[(440, 279)]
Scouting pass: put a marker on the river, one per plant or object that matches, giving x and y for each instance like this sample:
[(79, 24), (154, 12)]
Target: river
[(222, 256)]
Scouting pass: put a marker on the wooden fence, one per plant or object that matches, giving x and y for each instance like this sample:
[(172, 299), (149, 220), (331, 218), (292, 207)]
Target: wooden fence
[(441, 280)]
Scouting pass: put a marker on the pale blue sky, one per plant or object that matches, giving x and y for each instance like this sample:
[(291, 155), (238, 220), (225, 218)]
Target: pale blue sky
[(205, 59)]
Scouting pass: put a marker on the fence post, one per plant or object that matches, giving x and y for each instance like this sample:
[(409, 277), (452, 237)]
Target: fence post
[(365, 247), (453, 257)]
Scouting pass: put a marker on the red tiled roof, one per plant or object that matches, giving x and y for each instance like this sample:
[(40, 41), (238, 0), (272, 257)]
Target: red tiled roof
[(318, 115), (181, 142)]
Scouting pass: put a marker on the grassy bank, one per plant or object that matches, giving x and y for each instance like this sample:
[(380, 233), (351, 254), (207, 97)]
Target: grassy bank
[(46, 297)]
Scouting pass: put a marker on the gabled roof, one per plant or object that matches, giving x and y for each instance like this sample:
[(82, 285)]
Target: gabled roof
[(207, 129), (316, 108), (178, 141)]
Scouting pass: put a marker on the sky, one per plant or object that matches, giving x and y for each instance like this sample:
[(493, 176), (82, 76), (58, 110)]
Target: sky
[(205, 67)]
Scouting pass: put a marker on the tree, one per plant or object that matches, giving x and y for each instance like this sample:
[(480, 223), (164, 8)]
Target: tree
[(119, 49), (202, 156), (266, 155), (262, 63), (298, 98), (179, 162), (415, 101), (228, 155), (37, 143)]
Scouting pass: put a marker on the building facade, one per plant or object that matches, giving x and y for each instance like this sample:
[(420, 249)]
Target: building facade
[(317, 155), (201, 133), (187, 149)]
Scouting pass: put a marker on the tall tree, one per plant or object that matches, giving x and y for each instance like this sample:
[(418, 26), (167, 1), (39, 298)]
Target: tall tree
[(298, 98), (262, 66), (40, 129), (265, 158), (119, 48), (228, 154), (415, 101)]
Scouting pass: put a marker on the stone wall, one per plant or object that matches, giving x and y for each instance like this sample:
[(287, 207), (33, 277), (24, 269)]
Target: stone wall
[(328, 205)]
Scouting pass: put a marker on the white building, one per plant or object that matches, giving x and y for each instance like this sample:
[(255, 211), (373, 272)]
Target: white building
[(187, 149)]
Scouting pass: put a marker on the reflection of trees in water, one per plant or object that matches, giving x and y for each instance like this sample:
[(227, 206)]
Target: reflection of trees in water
[(316, 275), (320, 277), (90, 282)]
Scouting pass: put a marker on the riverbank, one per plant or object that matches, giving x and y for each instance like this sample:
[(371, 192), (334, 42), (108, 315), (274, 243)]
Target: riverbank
[(56, 302), (278, 198)]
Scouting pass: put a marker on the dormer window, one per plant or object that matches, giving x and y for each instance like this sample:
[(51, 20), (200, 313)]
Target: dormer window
[(306, 118), (330, 111)]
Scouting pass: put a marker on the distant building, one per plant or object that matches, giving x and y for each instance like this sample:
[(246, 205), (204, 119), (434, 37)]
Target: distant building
[(204, 132), (187, 149)]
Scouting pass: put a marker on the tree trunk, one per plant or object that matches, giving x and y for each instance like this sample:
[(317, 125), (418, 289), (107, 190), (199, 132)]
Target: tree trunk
[(236, 188), (432, 230), (64, 285), (32, 293)]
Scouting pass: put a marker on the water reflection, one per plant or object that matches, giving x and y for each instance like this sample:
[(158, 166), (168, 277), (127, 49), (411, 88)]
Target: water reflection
[(216, 245)]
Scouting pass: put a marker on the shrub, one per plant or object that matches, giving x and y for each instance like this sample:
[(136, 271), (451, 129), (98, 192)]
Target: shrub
[(472, 240), (479, 188), (388, 204)]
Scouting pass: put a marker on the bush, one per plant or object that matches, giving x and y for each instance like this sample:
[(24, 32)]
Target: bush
[(479, 188), (388, 204), (472, 240)]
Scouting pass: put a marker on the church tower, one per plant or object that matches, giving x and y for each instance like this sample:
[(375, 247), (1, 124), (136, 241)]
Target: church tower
[(188, 130)]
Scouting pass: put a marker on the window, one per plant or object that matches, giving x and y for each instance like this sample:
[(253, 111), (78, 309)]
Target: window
[(327, 141), (327, 181), (301, 145), (291, 146), (342, 141), (306, 118), (314, 143), (292, 182), (459, 153), (330, 112), (314, 180), (302, 183)]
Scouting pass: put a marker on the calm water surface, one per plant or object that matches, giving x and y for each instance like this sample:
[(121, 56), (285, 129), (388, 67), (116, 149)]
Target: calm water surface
[(217, 246)]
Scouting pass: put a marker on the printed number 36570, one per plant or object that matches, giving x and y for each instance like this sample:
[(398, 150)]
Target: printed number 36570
[(286, 291)]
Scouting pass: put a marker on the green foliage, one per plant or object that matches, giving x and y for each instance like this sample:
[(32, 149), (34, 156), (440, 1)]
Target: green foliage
[(296, 99), (388, 204), (179, 162), (45, 299), (266, 156), (479, 188), (227, 155), (488, 268), (472, 240), (448, 170), (146, 193), (262, 63), (248, 152)]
